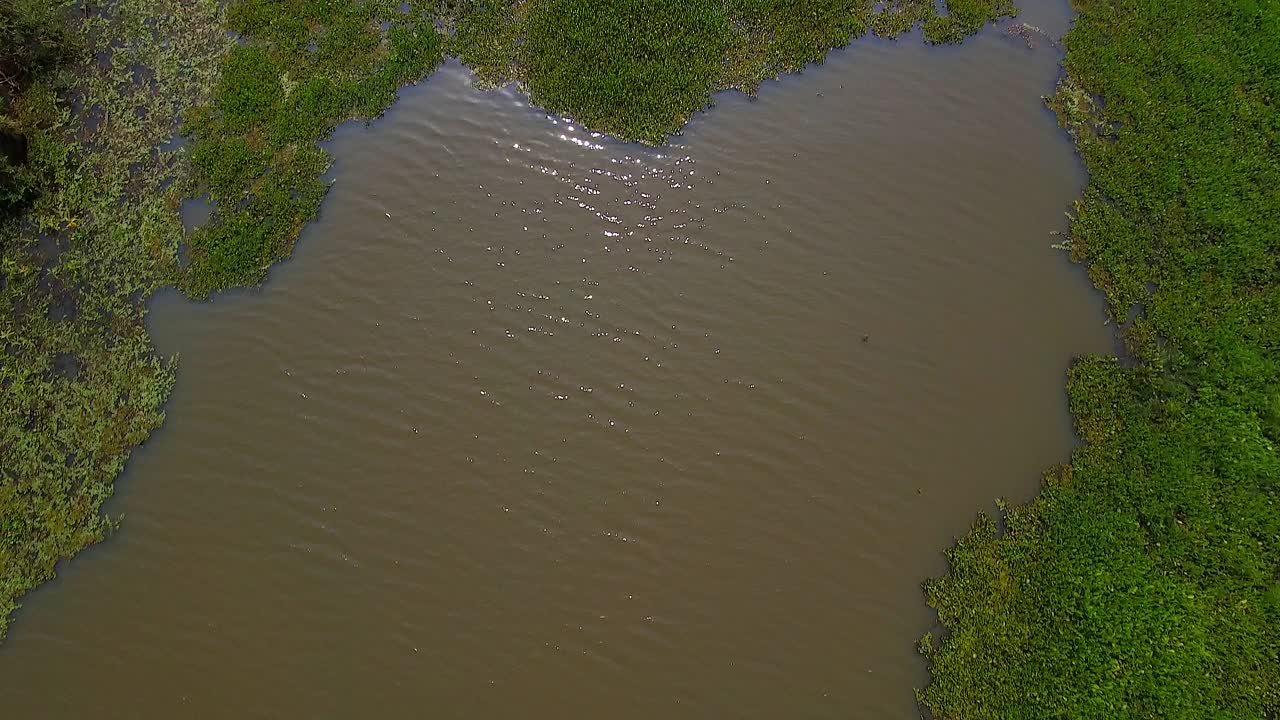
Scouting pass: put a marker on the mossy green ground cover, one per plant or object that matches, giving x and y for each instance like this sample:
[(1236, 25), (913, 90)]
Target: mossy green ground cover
[(307, 65), (34, 41), (1145, 580), (640, 68)]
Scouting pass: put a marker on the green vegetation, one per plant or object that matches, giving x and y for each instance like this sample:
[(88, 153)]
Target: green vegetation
[(33, 41), (640, 68), (1145, 581), (309, 66), (635, 68), (80, 384)]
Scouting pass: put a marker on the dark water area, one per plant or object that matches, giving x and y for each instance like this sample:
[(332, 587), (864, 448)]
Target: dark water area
[(540, 424)]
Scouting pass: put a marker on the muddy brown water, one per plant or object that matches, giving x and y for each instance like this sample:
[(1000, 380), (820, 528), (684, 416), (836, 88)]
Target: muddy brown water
[(588, 430)]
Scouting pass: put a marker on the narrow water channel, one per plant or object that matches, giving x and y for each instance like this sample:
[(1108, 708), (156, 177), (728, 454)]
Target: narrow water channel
[(538, 424)]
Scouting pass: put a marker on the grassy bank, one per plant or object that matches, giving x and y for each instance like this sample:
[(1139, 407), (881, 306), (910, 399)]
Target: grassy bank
[(1145, 581), (302, 68)]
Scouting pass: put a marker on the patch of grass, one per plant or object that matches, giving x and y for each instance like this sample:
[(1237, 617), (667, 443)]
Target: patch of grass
[(635, 68), (304, 67), (639, 69), (1145, 581), (964, 18), (487, 37), (34, 41), (773, 37)]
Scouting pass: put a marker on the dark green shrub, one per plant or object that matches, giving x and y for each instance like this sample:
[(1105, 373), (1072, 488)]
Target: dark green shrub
[(1145, 581), (33, 41)]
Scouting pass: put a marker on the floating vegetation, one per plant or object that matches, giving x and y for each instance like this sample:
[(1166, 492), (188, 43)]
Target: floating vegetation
[(640, 69), (304, 68), (1144, 582), (1030, 34)]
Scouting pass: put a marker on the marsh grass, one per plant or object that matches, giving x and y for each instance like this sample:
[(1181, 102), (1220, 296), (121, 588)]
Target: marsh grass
[(305, 68), (1144, 582), (639, 69)]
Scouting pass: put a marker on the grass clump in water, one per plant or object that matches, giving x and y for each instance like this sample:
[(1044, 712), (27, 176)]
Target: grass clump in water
[(630, 67), (1144, 582), (635, 68), (304, 67)]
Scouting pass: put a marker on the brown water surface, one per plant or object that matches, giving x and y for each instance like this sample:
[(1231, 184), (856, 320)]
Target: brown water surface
[(537, 424)]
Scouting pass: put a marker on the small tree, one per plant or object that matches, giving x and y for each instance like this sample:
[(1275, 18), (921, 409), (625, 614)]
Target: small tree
[(33, 37), (33, 40)]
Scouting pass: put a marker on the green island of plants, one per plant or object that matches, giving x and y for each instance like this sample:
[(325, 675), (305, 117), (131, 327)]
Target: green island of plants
[(1144, 582), (636, 68)]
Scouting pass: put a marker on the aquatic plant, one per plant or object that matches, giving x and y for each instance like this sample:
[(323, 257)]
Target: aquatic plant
[(80, 384), (1144, 582), (33, 41)]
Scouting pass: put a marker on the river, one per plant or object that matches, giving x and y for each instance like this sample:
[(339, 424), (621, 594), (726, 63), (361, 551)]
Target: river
[(539, 424)]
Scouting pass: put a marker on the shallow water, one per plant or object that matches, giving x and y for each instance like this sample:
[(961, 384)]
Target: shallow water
[(539, 424)]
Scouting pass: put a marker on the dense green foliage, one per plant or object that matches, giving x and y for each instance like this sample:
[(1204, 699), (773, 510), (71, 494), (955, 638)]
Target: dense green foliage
[(33, 37), (644, 86), (80, 384), (307, 66), (640, 68), (1145, 581), (33, 41)]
